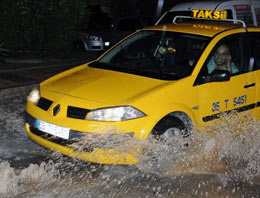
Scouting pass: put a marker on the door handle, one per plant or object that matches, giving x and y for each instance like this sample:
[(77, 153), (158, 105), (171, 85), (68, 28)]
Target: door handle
[(250, 85)]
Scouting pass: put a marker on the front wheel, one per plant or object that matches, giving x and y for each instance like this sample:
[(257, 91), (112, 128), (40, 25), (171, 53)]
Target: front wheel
[(79, 46), (168, 128)]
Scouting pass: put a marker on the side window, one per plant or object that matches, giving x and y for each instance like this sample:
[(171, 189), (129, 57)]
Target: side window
[(229, 55), (254, 46)]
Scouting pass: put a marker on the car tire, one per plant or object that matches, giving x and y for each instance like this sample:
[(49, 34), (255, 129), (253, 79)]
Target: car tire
[(79, 46), (169, 127)]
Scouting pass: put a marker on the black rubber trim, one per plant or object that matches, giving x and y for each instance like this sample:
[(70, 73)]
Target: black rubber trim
[(250, 85), (44, 103), (240, 109), (76, 112), (29, 119)]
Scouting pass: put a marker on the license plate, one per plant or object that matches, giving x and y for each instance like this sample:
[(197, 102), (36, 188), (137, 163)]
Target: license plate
[(52, 129)]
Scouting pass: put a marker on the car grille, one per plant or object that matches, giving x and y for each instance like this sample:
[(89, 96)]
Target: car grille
[(72, 112), (44, 103), (96, 47), (78, 113)]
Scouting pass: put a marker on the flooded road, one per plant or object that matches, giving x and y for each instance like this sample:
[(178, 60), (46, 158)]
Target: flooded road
[(225, 163)]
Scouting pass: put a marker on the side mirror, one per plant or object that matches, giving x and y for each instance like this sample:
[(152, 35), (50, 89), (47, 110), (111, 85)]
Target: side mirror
[(218, 76)]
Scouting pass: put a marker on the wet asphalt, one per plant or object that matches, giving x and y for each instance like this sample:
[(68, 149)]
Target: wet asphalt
[(11, 78)]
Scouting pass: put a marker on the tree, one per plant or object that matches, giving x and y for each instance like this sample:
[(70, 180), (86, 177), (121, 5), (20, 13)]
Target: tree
[(36, 25)]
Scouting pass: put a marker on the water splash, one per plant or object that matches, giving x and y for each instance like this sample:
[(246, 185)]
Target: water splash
[(231, 147), (219, 161), (8, 179), (14, 181)]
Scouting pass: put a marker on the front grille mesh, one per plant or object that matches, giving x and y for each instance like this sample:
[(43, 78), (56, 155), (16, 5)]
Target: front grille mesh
[(78, 113), (44, 103)]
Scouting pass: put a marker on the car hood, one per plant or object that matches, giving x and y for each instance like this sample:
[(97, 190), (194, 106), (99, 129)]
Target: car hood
[(103, 86)]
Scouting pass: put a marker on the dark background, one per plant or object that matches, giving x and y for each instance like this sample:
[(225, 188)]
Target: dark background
[(144, 7), (36, 27)]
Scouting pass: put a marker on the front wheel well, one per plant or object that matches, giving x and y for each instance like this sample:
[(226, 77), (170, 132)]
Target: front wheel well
[(79, 45), (178, 118)]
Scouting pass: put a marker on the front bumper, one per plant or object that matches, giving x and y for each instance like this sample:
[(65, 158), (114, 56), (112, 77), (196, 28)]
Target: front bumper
[(91, 154)]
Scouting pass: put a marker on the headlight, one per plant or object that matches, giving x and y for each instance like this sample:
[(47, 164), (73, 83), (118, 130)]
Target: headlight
[(34, 96), (114, 114)]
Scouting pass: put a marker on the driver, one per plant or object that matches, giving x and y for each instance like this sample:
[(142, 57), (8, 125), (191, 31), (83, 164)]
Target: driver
[(222, 61)]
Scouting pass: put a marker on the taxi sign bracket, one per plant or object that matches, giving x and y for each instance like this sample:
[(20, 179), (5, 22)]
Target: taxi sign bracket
[(228, 20)]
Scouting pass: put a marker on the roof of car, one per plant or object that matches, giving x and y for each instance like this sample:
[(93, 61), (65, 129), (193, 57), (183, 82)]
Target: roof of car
[(204, 29), (196, 4)]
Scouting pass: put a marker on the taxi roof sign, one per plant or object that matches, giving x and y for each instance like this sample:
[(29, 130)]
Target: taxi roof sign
[(210, 14), (175, 19)]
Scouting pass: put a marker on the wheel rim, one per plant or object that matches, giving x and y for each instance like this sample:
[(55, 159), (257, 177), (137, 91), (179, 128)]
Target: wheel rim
[(171, 132)]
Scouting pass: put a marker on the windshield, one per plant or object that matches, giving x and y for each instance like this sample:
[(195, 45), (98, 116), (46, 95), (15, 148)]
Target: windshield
[(156, 54)]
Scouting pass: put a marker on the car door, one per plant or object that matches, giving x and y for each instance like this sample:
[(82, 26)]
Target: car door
[(237, 93)]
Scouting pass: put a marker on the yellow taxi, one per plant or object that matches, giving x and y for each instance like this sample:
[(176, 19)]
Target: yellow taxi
[(160, 81)]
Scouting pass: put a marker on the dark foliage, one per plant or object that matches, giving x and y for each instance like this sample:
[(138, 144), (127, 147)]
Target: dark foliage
[(37, 25)]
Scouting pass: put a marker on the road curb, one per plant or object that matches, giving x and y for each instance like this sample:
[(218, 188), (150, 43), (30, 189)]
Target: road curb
[(17, 91)]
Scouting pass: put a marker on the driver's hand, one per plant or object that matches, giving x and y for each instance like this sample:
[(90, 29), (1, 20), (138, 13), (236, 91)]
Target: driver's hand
[(228, 61)]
